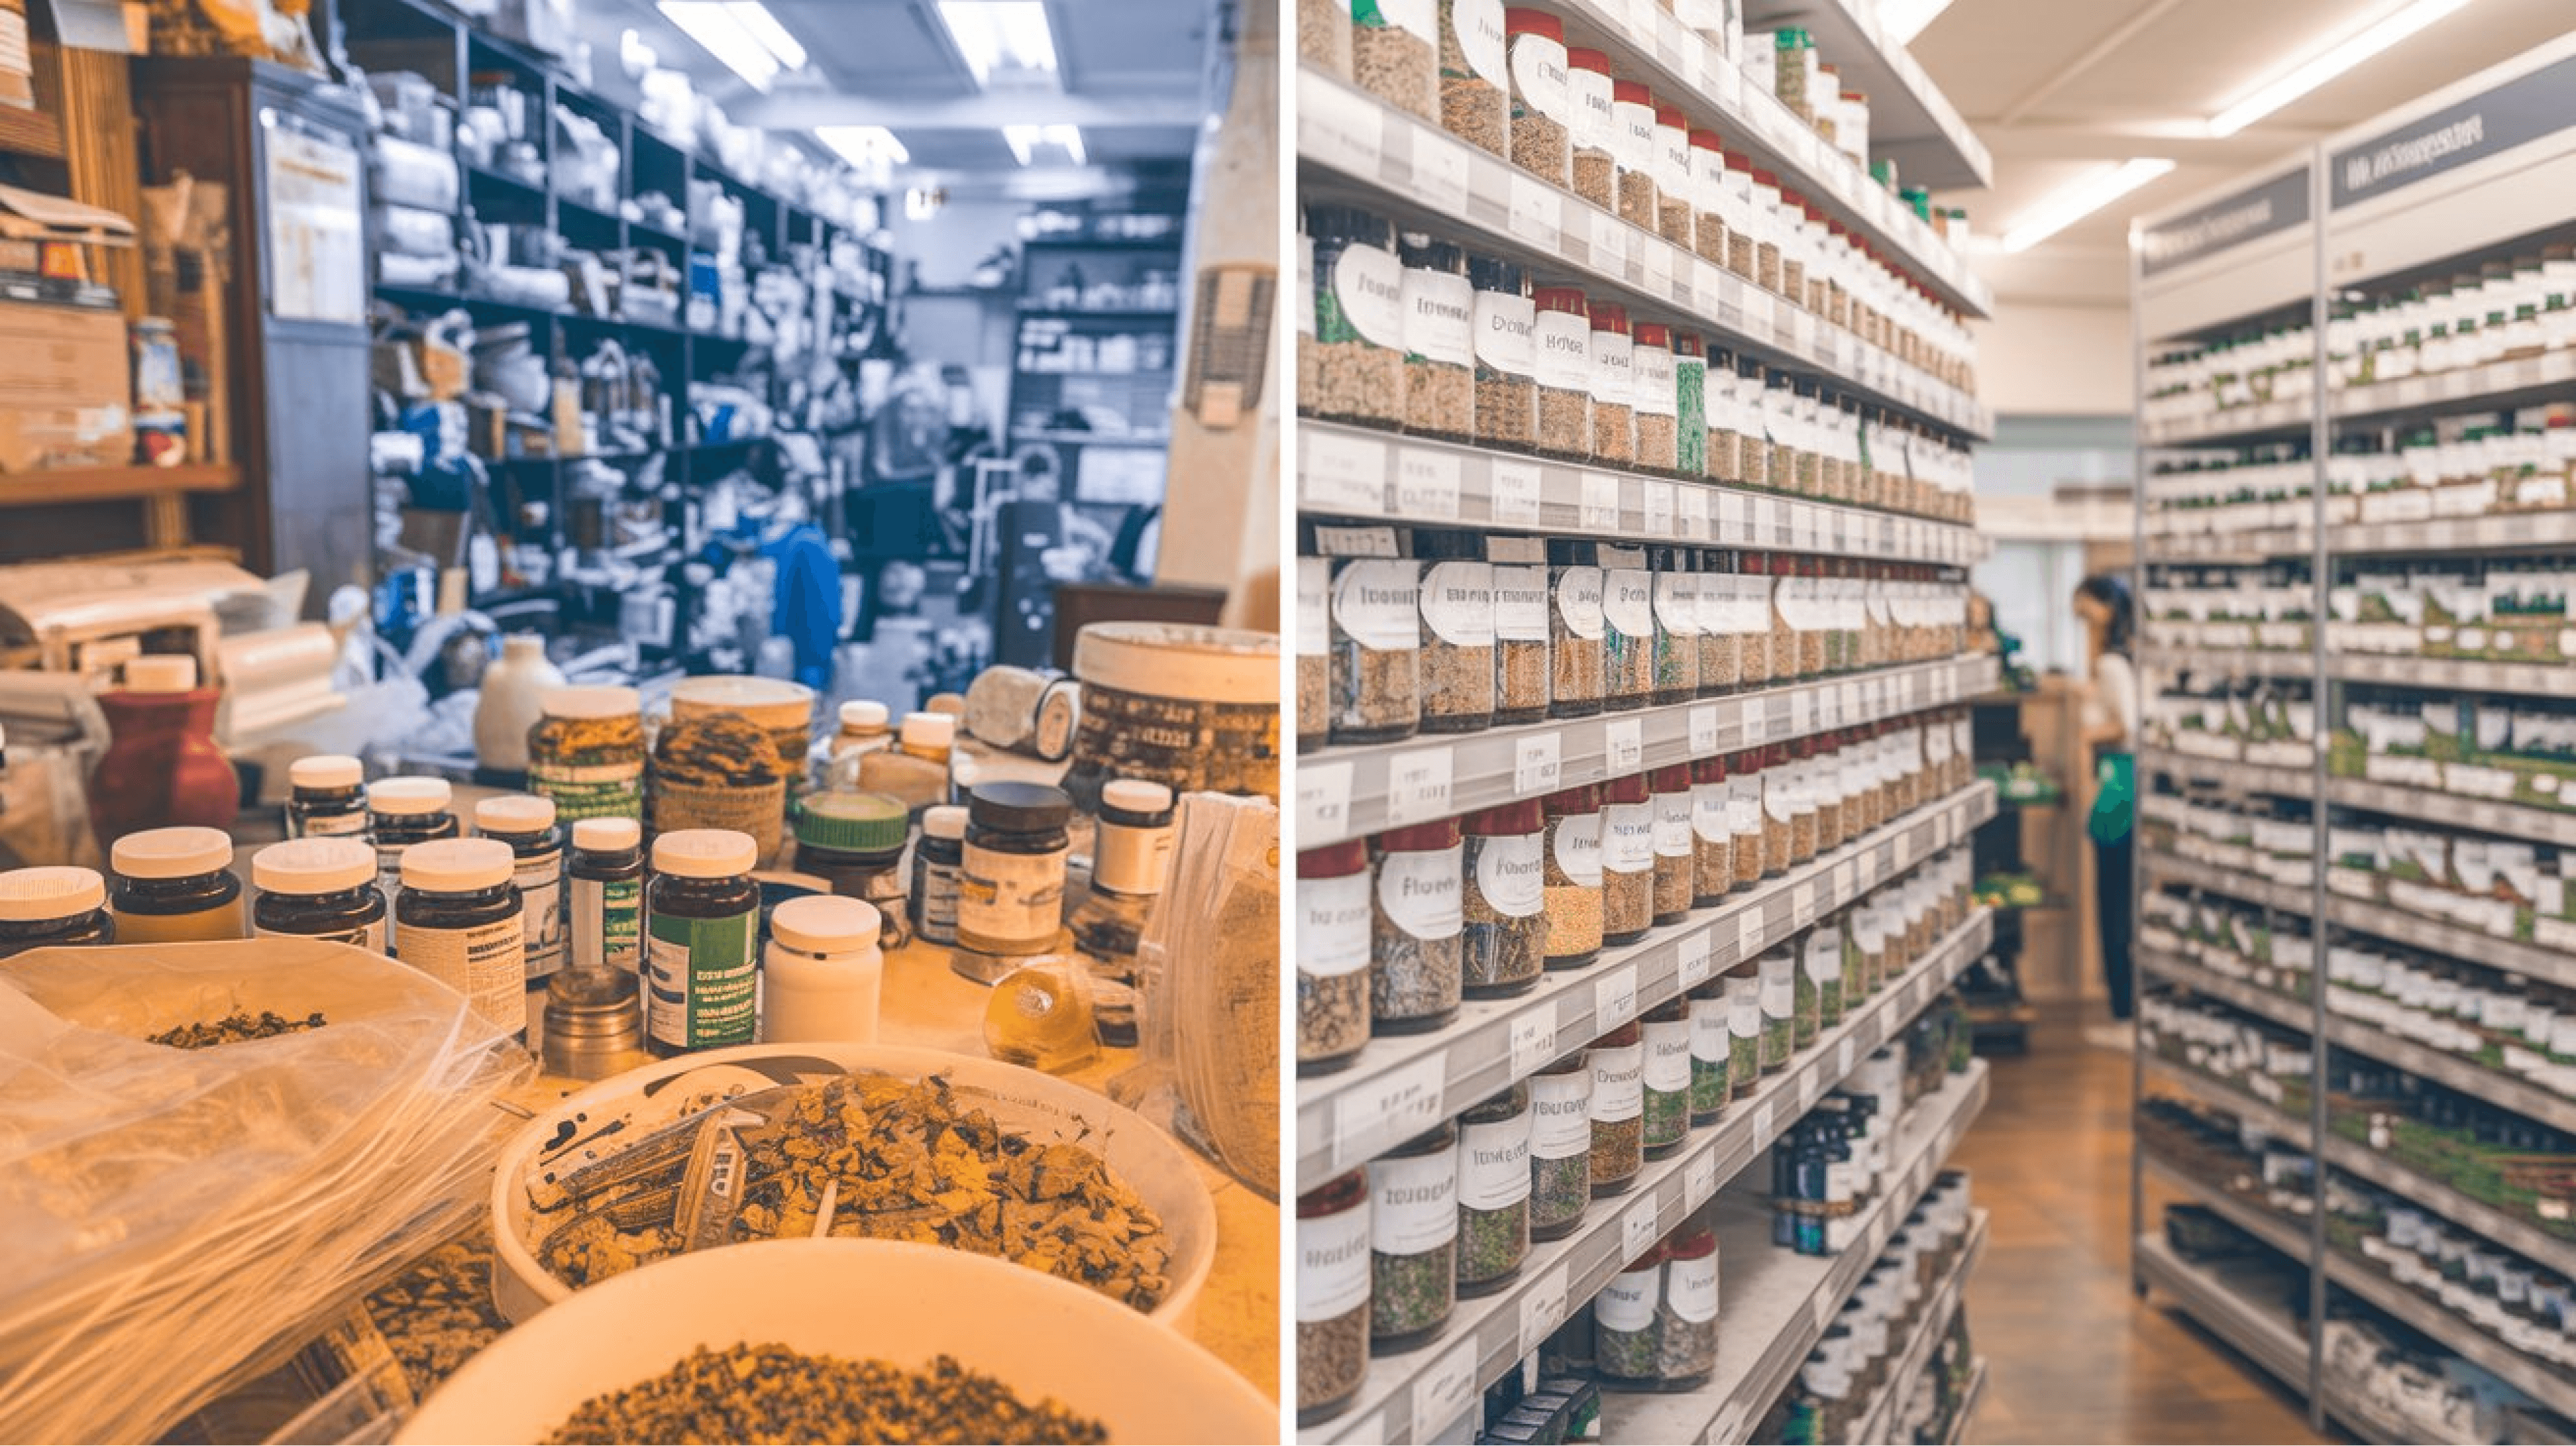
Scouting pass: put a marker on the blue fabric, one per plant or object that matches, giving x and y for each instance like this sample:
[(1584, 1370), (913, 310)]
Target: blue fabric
[(807, 610)]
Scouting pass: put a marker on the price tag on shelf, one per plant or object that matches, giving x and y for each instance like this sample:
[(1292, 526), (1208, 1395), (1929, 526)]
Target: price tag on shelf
[(1851, 703), (1417, 786), (1426, 485), (1703, 730), (1694, 65), (1343, 473), (1770, 521), (1699, 1180), (1757, 722), (1623, 745), (1804, 702), (1533, 1040), (1443, 1394), (1535, 209), (1609, 244), (1542, 1309), (1641, 23), (1803, 906), (1748, 934), (1656, 500), (1905, 851), (1614, 1000), (1389, 1110), (1708, 287), (1732, 517), (1516, 490), (1640, 1228), (1440, 172), (1324, 799), (1829, 708), (1843, 1058), (1810, 1084), (1692, 951), (1535, 768), (1340, 128), (1597, 509), (1802, 525), (1658, 259), (1694, 513), (1846, 881), (1762, 1122)]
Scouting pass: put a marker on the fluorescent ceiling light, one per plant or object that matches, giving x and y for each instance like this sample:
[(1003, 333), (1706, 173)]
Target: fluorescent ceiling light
[(1901, 20), (742, 34), (1024, 141), (864, 146), (1000, 36), (2325, 65), (2080, 198)]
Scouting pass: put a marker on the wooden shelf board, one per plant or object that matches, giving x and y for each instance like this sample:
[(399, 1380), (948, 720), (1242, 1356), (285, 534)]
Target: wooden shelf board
[(113, 484)]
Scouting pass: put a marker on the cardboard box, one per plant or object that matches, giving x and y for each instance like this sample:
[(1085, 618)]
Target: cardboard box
[(66, 391)]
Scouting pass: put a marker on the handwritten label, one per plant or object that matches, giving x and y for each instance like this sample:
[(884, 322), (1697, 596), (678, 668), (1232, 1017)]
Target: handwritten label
[(1343, 473), (1534, 211), (1614, 1000), (1324, 798), (1516, 492), (1533, 1041), (1623, 745), (1426, 485), (1442, 1394), (1693, 954), (1703, 730), (1597, 508), (1534, 765), (1440, 172), (1542, 1310), (1390, 1109), (1417, 786)]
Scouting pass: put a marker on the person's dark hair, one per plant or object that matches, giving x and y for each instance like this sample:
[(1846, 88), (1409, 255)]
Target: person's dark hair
[(2112, 591)]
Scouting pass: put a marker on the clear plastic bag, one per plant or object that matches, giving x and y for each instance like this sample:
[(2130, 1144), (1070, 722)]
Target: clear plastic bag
[(206, 1210), (1208, 984)]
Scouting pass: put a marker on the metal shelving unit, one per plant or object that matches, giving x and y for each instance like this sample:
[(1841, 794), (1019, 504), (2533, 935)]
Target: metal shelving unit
[(1929, 1326)]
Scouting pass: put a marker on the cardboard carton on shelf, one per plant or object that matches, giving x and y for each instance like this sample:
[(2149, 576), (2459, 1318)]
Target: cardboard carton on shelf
[(66, 395)]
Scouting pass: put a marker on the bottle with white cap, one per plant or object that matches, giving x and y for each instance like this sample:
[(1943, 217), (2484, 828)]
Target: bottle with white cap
[(458, 918), (606, 887), (319, 888), (864, 729), (916, 770), (701, 926), (822, 973), (936, 858), (328, 797), (1131, 854), (402, 812), (175, 886), (527, 824), (51, 905)]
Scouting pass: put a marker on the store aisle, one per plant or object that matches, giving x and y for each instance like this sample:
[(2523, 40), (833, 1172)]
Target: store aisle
[(2073, 1355)]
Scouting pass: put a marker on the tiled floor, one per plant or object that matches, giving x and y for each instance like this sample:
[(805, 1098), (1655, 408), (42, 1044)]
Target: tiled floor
[(2074, 1356)]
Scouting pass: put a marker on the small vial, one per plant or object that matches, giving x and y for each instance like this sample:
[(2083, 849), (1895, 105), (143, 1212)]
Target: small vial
[(319, 888), (606, 886), (701, 921), (864, 729), (822, 973), (936, 859), (57, 904), (327, 797), (457, 921), (527, 824), (1131, 855), (175, 886)]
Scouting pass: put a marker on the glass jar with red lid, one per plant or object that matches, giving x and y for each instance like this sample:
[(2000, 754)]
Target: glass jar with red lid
[(1708, 197), (1414, 978), (1720, 650), (1332, 1296), (1676, 876), (1562, 325), (1632, 146), (1614, 385), (1627, 860), (1542, 96), (1712, 827), (1618, 1062), (1655, 399), (1595, 164), (1504, 947), (1674, 213), (1333, 923), (1767, 225)]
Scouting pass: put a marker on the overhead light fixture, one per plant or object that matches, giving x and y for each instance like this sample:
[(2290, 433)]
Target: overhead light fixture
[(1025, 140), (1000, 36), (2325, 65), (2080, 198), (1901, 20), (864, 146), (742, 34)]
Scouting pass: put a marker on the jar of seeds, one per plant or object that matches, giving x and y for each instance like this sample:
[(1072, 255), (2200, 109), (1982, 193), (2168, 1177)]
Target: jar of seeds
[(1785, 424), (1625, 1341), (1506, 348), (1793, 247), (1493, 1191), (1707, 194), (1632, 146), (1712, 832), (1563, 332), (1542, 96), (1504, 948), (1676, 875), (1414, 978), (1628, 628), (1334, 917), (1677, 581), (1744, 1028), (1655, 399), (1614, 384), (1573, 888), (1310, 355), (1743, 255), (1413, 1241), (1439, 331), (1712, 1053), (1578, 653), (1815, 621), (1724, 437), (1475, 97), (1314, 651), (1618, 1061), (1666, 1030), (1821, 959), (1672, 172), (1797, 766), (1805, 997), (1753, 423), (1324, 41), (1332, 1296), (1375, 633), (1824, 780), (1458, 666), (1595, 165), (1752, 621), (1719, 640), (1686, 1315), (1359, 315), (1751, 817), (1395, 53), (1779, 997), (1560, 1146), (1690, 406), (1522, 606), (1627, 860), (1766, 228)]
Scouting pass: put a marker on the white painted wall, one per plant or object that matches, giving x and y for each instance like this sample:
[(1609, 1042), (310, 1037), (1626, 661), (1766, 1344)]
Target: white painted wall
[(2044, 360)]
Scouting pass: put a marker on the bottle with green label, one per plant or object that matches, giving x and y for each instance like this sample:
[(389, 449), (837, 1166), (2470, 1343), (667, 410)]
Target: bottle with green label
[(701, 942), (606, 885)]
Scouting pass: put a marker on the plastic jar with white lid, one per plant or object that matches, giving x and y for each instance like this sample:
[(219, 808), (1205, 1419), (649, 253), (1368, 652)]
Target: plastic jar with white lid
[(527, 824), (823, 972), (457, 921), (701, 922), (53, 905), (328, 797), (175, 886), (319, 888)]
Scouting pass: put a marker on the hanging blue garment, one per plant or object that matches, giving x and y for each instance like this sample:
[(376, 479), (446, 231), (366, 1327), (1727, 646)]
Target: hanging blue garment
[(807, 609)]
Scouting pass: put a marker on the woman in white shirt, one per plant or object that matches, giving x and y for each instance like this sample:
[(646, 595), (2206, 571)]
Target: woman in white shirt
[(2109, 612)]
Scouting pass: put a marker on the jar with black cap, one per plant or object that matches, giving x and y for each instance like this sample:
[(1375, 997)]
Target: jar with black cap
[(175, 886), (1439, 339), (526, 822), (457, 920), (402, 812), (1457, 666), (1010, 887), (327, 797), (1506, 352), (1359, 318), (54, 904), (319, 888), (936, 859), (701, 942)]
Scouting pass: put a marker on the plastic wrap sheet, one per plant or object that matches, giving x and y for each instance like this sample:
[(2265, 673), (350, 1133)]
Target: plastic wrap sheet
[(1209, 965)]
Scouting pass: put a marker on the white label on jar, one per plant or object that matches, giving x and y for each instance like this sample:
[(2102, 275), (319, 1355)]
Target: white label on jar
[(1629, 845), (1779, 986), (540, 881), (1579, 601), (334, 825), (1712, 815), (1564, 351), (1618, 1082), (1712, 1030), (1333, 925), (1668, 1051), (1413, 1202), (1479, 26), (1673, 825), (1692, 1289), (1634, 138), (1744, 805), (1420, 892), (370, 937), (1369, 285), (1594, 123), (1779, 795), (1628, 601), (1507, 333), (1458, 603), (1577, 842), (1520, 604), (1305, 307), (1677, 603), (1612, 367), (1017, 898), (1655, 387), (1493, 1164), (487, 963), (1627, 1303), (1332, 1265), (1511, 874), (1825, 957), (1744, 1009), (1561, 1115), (1539, 79), (1439, 316), (1672, 161), (1422, 17), (1314, 607), (1377, 603)]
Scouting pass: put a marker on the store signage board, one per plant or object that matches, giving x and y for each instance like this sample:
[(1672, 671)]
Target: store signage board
[(2515, 113), (2249, 215)]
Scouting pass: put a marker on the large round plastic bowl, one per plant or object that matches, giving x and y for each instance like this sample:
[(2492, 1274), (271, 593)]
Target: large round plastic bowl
[(855, 1299), (594, 1125)]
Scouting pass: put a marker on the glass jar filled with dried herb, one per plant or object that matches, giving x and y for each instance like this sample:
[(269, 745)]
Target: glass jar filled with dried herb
[(1672, 172), (1332, 1296), (1574, 880), (1632, 147), (1815, 621), (1334, 914), (1578, 650), (1652, 398), (1542, 96), (1825, 780), (1779, 976), (1324, 36), (1614, 383), (1676, 864), (1777, 591), (1618, 1061), (1666, 1030), (1562, 338), (1439, 338), (1395, 53), (1751, 818), (1821, 959), (1766, 230), (1712, 1052), (1625, 1341), (1375, 632), (1719, 637), (1627, 860), (1413, 1241), (1805, 997), (1493, 1191), (1523, 602), (1475, 95), (1505, 343), (1457, 631), (1780, 414), (1359, 316), (1744, 1028), (1690, 406), (1686, 1314), (1707, 196), (1314, 651), (1712, 832), (1799, 767), (1595, 164), (1677, 583), (1560, 1146), (1628, 628), (1504, 947), (1725, 418), (1779, 812), (1414, 979)]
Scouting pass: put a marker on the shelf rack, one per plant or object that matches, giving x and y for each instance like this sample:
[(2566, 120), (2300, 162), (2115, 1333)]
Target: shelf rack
[(1929, 1326)]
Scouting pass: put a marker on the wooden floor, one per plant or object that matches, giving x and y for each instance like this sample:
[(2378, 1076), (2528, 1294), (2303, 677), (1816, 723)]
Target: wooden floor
[(2074, 1356)]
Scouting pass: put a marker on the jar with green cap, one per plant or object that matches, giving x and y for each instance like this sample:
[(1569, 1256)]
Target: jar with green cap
[(854, 841), (53, 905), (319, 888), (701, 926), (175, 886), (457, 921)]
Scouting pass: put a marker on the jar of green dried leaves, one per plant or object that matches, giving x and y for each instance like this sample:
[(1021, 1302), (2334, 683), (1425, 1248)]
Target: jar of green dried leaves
[(1666, 1030), (1618, 1061), (1493, 1191), (1413, 1240), (1504, 946), (1779, 976), (1712, 1053), (1560, 1146)]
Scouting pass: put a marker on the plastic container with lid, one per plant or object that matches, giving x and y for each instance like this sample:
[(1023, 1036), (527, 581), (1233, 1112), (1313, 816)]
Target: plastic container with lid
[(1522, 605), (1324, 36), (327, 797), (1493, 1191), (1332, 1296), (936, 858), (1359, 317), (1560, 1146), (1475, 82), (1632, 148), (1595, 163), (1414, 976), (1707, 196), (1720, 633), (1777, 973), (1627, 860), (604, 888), (784, 710), (586, 752), (1578, 663), (175, 886), (1561, 323), (1676, 877), (1191, 708), (1395, 53), (1334, 920), (1614, 383), (822, 973), (319, 888), (527, 824), (1656, 399), (1457, 655), (53, 904), (1542, 96), (1505, 344), (1618, 1063), (1413, 1240), (1690, 406), (1574, 882), (457, 920), (1010, 885), (720, 771), (1504, 945), (854, 840), (701, 922)]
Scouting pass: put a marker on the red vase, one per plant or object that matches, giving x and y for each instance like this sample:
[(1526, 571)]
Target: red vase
[(161, 767)]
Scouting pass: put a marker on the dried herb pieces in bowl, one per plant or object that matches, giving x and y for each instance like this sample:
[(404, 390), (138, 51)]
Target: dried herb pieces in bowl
[(770, 1393), (235, 1028)]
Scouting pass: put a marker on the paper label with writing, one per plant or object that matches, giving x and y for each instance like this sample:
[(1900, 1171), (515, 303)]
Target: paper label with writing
[(1332, 1265), (1561, 1115), (1333, 925), (1493, 1164), (1511, 874), (1413, 1202), (1368, 287), (1507, 333), (1377, 603), (1419, 890), (1577, 845), (1458, 603), (1618, 1082)]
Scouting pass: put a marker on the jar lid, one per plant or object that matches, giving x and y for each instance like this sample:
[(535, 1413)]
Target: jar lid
[(457, 865), (1511, 818), (1610, 316), (172, 853), (1631, 92), (1654, 334), (1672, 778), (1709, 770), (408, 795), (1687, 343), (1520, 20), (1178, 660), (929, 730), (161, 673), (863, 713), (1333, 861), (1631, 789), (54, 891), (703, 853), (514, 813), (1019, 807), (948, 821), (1447, 544), (1420, 838), (326, 770), (1573, 552), (1582, 798), (313, 866), (1135, 795), (1567, 299), (825, 924), (1356, 225), (1669, 115), (1705, 140), (589, 703), (852, 821), (769, 702), (1496, 273), (606, 835)]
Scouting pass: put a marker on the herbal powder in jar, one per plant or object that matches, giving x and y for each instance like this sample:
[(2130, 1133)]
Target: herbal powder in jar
[(1335, 913), (1625, 1339), (1676, 656), (1627, 860), (1618, 1061), (1439, 339), (1493, 1191), (1458, 665), (1574, 882), (1413, 1241), (1414, 980), (1522, 605), (1376, 633), (1504, 945), (1712, 1052)]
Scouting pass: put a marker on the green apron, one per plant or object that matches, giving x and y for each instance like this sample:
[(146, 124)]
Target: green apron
[(2115, 797)]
